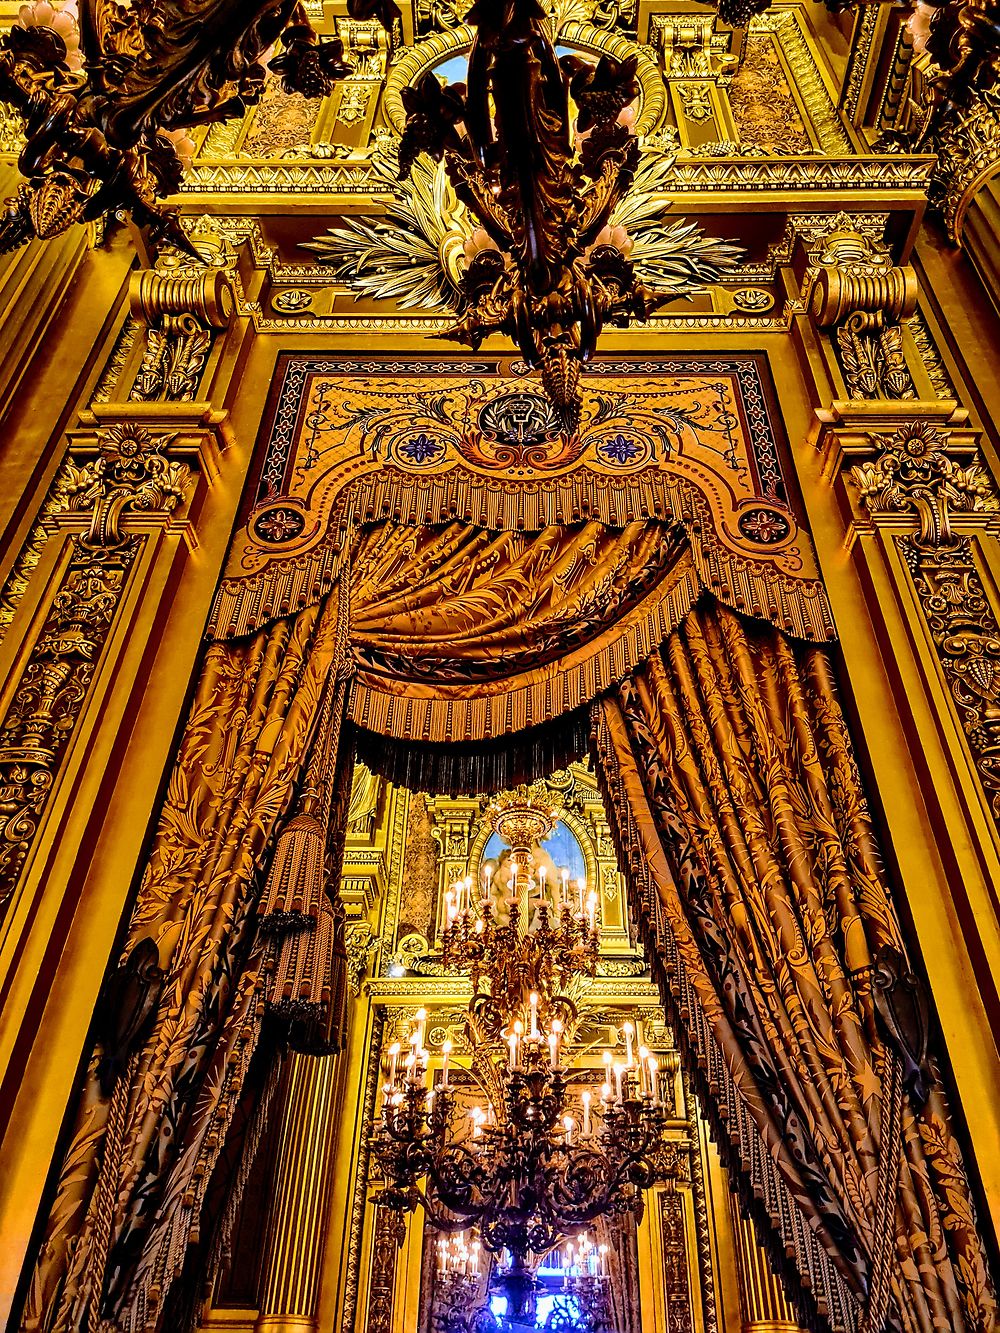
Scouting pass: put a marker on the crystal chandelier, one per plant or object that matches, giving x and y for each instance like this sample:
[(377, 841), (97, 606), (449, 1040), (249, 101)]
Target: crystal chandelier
[(574, 1278), (526, 1167)]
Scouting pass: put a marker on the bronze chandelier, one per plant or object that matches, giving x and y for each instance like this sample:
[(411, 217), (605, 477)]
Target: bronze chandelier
[(522, 1169)]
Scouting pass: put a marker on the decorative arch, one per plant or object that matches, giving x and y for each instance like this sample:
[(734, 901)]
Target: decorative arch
[(432, 50)]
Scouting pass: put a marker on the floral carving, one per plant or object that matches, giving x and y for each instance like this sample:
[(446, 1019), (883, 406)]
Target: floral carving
[(914, 470), (131, 472), (50, 695), (966, 633)]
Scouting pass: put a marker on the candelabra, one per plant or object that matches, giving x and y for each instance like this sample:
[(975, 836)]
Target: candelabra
[(520, 1167)]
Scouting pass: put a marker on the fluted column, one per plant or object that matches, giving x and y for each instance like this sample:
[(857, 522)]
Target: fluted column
[(764, 1306), (290, 1279)]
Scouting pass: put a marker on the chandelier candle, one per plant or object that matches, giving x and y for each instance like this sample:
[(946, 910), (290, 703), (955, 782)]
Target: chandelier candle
[(524, 1172)]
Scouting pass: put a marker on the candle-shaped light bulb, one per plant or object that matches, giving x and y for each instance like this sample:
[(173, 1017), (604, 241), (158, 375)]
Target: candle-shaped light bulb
[(627, 1032), (393, 1061), (618, 1072), (580, 886), (445, 1056), (512, 1043), (605, 1092), (557, 1028), (568, 1123), (533, 1015), (421, 1017), (643, 1058), (585, 1098), (654, 1079), (592, 910), (542, 875)]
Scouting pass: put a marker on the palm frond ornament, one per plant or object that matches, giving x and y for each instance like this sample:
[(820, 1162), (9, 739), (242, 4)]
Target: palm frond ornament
[(417, 253)]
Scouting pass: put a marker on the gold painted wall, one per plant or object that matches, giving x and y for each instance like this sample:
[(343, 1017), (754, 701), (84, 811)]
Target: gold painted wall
[(94, 370)]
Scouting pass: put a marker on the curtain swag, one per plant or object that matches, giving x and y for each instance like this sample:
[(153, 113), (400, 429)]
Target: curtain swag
[(750, 859)]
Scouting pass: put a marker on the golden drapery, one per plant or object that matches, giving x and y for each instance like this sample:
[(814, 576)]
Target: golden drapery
[(456, 633), (134, 1175), (731, 751), (459, 633)]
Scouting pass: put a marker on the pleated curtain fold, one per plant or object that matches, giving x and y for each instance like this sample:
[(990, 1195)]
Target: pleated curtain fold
[(731, 751), (129, 1196)]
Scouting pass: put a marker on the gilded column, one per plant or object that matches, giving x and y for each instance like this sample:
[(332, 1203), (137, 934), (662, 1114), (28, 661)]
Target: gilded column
[(764, 1306), (290, 1281)]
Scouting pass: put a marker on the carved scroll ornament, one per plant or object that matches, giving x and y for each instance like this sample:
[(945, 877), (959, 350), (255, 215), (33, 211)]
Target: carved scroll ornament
[(861, 296), (181, 314)]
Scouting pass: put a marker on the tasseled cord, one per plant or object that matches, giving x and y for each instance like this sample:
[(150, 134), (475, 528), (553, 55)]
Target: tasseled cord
[(306, 947)]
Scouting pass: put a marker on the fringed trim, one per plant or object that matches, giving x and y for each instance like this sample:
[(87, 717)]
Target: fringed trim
[(244, 605), (428, 715), (487, 766), (816, 1287), (800, 607), (501, 505), (754, 586), (308, 992), (303, 960)]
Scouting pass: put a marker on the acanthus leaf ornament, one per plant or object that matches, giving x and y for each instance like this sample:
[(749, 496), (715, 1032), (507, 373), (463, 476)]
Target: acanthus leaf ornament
[(130, 472)]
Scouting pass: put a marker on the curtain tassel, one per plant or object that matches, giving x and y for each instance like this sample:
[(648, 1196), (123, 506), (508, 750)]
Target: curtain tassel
[(294, 891), (301, 982)]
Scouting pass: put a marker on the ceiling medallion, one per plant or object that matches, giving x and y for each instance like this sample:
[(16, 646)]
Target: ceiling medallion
[(531, 1165)]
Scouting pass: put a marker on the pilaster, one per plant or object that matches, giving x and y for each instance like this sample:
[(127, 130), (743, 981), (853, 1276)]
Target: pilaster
[(105, 604), (904, 512), (290, 1282)]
